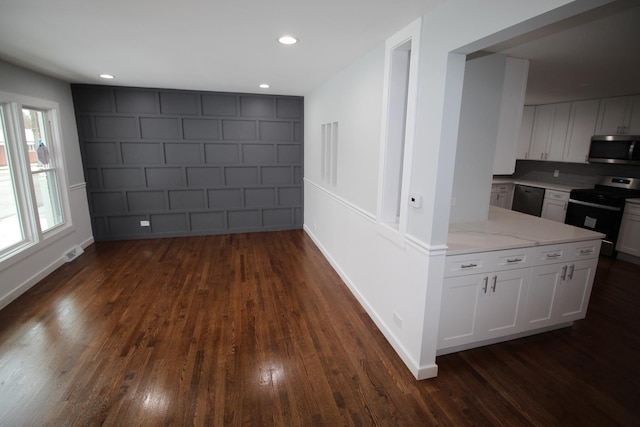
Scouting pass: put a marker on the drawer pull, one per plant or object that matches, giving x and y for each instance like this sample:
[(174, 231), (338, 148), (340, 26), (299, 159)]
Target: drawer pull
[(586, 251), (564, 273), (495, 281), (514, 260), (486, 282), (554, 255), (571, 271), (468, 265)]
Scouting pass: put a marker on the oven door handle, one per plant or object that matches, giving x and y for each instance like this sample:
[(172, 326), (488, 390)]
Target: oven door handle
[(595, 205)]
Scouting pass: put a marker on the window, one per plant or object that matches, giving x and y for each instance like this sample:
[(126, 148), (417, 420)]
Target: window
[(31, 202)]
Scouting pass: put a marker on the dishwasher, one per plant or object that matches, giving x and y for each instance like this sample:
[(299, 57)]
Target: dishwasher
[(528, 199)]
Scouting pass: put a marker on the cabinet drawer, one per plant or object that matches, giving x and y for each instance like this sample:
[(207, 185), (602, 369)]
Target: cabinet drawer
[(585, 250), (465, 264), (552, 253), (561, 196), (513, 259)]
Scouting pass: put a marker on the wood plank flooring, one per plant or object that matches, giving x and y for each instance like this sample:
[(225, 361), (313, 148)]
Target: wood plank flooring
[(257, 329)]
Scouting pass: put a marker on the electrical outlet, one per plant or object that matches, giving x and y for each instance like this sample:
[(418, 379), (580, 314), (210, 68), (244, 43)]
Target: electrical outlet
[(145, 223), (556, 173)]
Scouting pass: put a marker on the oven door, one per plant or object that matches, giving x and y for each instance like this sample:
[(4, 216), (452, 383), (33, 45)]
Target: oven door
[(600, 218)]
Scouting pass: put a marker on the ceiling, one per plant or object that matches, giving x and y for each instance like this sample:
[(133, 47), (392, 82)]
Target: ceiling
[(231, 45), (592, 55), (199, 44)]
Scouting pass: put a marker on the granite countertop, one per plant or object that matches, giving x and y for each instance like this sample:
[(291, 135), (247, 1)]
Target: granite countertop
[(546, 185), (506, 229)]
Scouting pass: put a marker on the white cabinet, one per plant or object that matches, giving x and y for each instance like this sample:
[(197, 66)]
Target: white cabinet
[(619, 116), (582, 123), (554, 206), (494, 296), (550, 125), (559, 293), (481, 306), (523, 140), (629, 235), (501, 195)]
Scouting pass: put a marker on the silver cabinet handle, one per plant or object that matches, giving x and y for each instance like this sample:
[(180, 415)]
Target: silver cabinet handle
[(486, 283), (586, 251), (468, 265), (495, 280), (514, 260), (571, 272), (554, 255), (564, 273)]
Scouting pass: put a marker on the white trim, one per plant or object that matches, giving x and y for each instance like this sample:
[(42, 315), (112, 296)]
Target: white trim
[(30, 282), (383, 229), (411, 364), (366, 215), (79, 186), (411, 32)]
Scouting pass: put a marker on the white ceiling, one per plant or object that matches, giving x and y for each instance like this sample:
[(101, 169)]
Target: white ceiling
[(198, 44), (592, 55), (231, 45)]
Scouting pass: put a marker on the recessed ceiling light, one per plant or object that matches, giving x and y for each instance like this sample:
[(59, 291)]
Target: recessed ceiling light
[(288, 40), (107, 76), (264, 86)]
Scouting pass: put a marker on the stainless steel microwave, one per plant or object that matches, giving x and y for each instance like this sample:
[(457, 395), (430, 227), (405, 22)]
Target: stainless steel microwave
[(622, 149)]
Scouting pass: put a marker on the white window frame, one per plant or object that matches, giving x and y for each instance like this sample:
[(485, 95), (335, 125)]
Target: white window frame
[(390, 172), (18, 156)]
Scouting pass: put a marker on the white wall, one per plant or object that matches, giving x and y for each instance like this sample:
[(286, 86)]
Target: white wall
[(404, 278), (477, 136), (28, 268)]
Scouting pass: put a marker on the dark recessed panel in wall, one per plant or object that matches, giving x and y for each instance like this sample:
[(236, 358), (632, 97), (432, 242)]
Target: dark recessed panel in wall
[(256, 106), (136, 101), (189, 163), (206, 129), (179, 103)]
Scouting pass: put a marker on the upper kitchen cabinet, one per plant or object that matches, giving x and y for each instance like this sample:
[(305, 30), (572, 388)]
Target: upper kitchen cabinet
[(523, 139), (581, 128), (511, 113), (560, 132), (619, 116), (550, 125)]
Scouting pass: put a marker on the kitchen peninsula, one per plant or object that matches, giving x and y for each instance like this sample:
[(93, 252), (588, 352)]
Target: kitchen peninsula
[(514, 275)]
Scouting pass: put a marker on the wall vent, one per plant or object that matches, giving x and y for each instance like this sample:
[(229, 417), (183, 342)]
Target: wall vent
[(73, 253)]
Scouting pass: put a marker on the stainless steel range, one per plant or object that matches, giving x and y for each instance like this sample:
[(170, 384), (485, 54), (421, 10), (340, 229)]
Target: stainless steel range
[(600, 208)]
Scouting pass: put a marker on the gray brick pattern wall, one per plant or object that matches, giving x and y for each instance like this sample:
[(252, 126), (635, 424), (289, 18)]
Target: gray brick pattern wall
[(190, 163)]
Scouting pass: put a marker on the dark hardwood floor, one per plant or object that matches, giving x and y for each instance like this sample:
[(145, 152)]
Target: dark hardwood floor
[(257, 329)]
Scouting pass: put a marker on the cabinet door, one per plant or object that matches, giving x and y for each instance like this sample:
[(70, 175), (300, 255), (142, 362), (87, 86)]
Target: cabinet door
[(633, 116), (582, 126), (629, 235), (576, 290), (611, 115), (543, 293), (458, 310), (524, 133), (558, 137), (542, 123), (554, 210), (499, 306)]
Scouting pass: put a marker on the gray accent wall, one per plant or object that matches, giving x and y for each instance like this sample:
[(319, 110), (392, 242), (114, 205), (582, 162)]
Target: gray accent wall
[(190, 163)]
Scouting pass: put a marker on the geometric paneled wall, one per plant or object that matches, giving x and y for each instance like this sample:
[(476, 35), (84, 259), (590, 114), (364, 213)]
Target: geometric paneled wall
[(189, 163)]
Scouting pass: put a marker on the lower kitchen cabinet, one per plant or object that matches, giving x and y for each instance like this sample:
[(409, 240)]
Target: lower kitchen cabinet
[(482, 306), (558, 293), (629, 235), (554, 206), (501, 195), (495, 296)]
